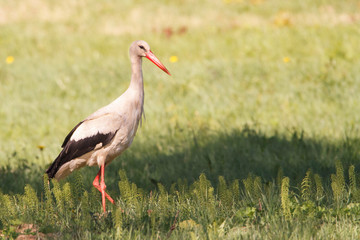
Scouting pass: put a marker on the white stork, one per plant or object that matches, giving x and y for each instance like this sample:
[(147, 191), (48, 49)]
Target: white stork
[(109, 131)]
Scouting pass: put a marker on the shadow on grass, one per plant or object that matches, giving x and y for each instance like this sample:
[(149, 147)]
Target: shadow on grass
[(233, 155)]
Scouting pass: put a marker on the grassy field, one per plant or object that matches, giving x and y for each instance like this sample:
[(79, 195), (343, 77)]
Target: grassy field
[(255, 135)]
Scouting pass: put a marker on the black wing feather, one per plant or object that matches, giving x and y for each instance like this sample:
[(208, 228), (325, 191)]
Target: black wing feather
[(74, 149), (67, 138)]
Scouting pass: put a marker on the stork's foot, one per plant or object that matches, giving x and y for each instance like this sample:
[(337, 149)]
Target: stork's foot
[(102, 219), (105, 214)]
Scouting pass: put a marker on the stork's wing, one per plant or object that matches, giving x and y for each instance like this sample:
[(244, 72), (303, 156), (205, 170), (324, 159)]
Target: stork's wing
[(85, 137)]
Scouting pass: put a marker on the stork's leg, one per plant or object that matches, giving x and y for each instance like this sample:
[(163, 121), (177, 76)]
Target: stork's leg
[(101, 186)]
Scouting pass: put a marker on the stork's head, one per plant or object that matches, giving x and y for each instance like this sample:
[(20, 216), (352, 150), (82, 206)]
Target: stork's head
[(141, 48)]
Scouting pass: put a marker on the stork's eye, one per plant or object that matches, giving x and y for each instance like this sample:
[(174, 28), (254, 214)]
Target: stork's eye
[(142, 47)]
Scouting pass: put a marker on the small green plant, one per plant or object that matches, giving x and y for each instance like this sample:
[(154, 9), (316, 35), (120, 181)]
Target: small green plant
[(253, 187), (199, 207), (31, 204), (225, 193), (338, 183), (352, 184), (285, 198), (319, 187), (306, 186)]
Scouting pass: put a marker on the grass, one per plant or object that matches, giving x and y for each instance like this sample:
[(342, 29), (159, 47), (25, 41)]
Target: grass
[(266, 88)]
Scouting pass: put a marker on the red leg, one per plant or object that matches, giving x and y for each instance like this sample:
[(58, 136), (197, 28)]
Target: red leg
[(101, 187)]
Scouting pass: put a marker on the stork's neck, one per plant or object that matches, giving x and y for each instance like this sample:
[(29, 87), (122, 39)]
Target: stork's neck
[(137, 86), (136, 74)]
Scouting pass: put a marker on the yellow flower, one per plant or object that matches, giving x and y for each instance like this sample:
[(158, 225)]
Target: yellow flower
[(173, 59), (286, 59), (9, 59), (41, 147), (282, 19)]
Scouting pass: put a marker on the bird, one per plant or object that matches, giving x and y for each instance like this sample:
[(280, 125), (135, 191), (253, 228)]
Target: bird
[(109, 131)]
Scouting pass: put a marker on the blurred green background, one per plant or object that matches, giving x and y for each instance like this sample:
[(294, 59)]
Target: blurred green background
[(256, 86)]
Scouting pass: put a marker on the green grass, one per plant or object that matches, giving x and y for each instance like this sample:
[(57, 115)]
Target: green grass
[(261, 87)]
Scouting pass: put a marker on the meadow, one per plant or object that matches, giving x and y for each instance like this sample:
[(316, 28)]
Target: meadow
[(254, 136)]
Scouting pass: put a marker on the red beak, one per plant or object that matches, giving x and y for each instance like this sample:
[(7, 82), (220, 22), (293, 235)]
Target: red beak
[(156, 61)]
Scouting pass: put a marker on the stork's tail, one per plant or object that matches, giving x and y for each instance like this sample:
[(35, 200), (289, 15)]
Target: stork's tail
[(51, 171), (54, 167)]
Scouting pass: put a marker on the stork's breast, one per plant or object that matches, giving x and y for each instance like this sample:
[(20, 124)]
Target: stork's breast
[(121, 142)]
